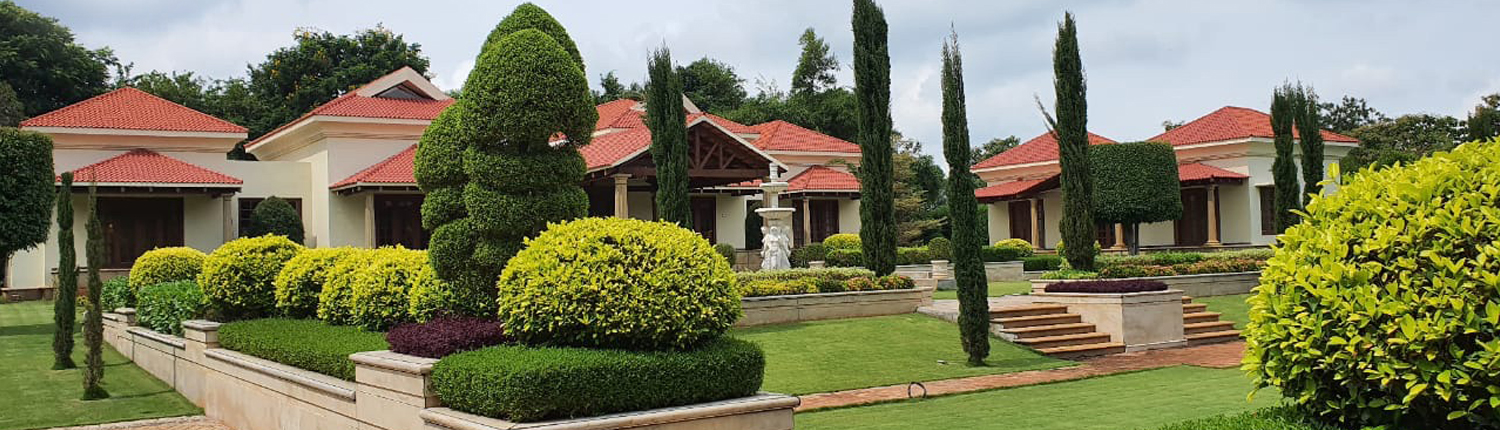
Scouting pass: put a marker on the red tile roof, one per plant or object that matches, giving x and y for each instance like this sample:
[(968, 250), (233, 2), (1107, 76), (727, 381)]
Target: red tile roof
[(822, 178), (1185, 173), (784, 136), (144, 166), (606, 150), (132, 109), (732, 126), (620, 113), (355, 105), (1011, 189), (1038, 149), (1229, 123), (396, 170), (1199, 171)]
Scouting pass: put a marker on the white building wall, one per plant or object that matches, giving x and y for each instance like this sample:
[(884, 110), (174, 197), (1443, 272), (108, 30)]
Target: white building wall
[(730, 226), (848, 216)]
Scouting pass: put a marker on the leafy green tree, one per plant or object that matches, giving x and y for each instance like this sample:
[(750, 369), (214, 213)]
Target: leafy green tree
[(1168, 125), (1135, 183), (612, 88), (93, 315), (275, 215), (11, 110), (667, 120), (1483, 123), (321, 66), (1310, 129), (968, 267), (27, 190), (184, 88), (712, 85), (1073, 148), (1284, 167), (65, 306), (1406, 138), (1350, 113), (815, 102), (817, 68), (42, 63), (992, 148), (872, 82)]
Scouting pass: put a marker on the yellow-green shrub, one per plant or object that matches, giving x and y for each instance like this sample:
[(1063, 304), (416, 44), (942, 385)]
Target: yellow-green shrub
[(1018, 244), (378, 293), (163, 265), (773, 287), (430, 297), (302, 278), (618, 283), (842, 241), (236, 278), (1382, 307), (334, 306)]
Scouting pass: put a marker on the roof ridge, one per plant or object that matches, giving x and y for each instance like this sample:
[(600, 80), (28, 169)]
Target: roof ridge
[(124, 91)]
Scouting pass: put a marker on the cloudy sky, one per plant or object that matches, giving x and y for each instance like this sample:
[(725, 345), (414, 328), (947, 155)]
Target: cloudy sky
[(1147, 60)]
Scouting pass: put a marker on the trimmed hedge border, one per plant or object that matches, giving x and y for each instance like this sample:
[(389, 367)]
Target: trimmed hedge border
[(1108, 287), (523, 384), (304, 344)]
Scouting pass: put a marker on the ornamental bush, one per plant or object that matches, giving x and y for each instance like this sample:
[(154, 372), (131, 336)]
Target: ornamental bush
[(1115, 287), (727, 251), (117, 294), (845, 257), (378, 292), (163, 307), (304, 344), (334, 306), (829, 273), (913, 255), (1002, 253), (302, 279), (519, 383), (939, 248), (237, 277), (445, 336), (275, 216), (162, 265), (842, 241), (772, 287), (1021, 244), (618, 283), (430, 297), (1381, 307), (1041, 263), (1070, 274), (809, 253)]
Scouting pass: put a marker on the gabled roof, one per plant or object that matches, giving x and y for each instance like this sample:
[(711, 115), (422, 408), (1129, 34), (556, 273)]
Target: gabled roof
[(1202, 172), (143, 166), (609, 149), (364, 102), (1039, 149), (396, 170), (626, 113), (780, 135), (1230, 123), (1014, 188), (132, 109), (821, 178)]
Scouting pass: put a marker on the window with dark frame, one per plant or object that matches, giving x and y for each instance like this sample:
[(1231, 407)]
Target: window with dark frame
[(247, 207), (1267, 209)]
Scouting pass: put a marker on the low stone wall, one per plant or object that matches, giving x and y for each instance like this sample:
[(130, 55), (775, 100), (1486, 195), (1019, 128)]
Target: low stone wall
[(1149, 320), (1004, 271), (1206, 285), (822, 306), (390, 391)]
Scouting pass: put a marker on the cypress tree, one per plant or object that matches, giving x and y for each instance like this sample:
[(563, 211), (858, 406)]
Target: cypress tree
[(872, 90), (667, 120), (1284, 167), (968, 267), (1073, 148), (93, 318), (65, 309), (1310, 132)]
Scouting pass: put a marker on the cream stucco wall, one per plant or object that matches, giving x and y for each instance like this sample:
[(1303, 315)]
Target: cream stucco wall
[(730, 226), (848, 216)]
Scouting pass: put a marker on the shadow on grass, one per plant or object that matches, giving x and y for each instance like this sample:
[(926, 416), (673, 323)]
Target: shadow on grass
[(26, 330)]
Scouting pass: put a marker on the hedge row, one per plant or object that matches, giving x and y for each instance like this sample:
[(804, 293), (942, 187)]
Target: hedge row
[(304, 344), (1041, 263), (854, 257), (445, 336), (1120, 286), (811, 285)]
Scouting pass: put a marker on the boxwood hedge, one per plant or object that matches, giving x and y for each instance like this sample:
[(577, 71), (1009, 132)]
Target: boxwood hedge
[(304, 344)]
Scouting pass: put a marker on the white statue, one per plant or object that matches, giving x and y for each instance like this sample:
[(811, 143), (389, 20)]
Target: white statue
[(775, 248)]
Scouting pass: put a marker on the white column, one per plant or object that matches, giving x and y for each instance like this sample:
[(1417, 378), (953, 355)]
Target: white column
[(622, 195), (806, 221), (369, 220), (1036, 224), (1119, 237), (1213, 216), (230, 217)]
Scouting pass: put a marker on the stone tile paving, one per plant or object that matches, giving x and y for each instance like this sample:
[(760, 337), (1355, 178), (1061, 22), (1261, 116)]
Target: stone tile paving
[(947, 310), (1223, 355), (178, 423)]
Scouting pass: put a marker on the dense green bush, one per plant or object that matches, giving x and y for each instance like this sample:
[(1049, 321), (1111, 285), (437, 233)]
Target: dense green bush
[(1260, 254), (887, 282), (1381, 307), (378, 292), (237, 277), (304, 344), (1276, 418), (302, 279), (1041, 263), (998, 253), (29, 189), (334, 305), (430, 297), (117, 293), (163, 307), (618, 283), (772, 287), (845, 258), (913, 255), (831, 273), (275, 216), (166, 265), (1135, 183), (939, 248), (1070, 274), (519, 383), (842, 241), (1021, 244), (809, 253), (1134, 271), (727, 251)]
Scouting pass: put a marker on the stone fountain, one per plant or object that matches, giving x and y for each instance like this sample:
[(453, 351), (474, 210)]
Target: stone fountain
[(776, 242)]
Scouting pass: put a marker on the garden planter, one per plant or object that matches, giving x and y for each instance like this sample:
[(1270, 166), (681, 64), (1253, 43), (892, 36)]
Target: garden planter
[(1147, 320), (1205, 285), (822, 306)]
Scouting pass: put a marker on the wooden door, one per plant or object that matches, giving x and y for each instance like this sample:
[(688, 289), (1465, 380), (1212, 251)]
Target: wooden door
[(134, 225), (398, 221), (1192, 229), (1105, 234), (1020, 219), (825, 218), (705, 217)]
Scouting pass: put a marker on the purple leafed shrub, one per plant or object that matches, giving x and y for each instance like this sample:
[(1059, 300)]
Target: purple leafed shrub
[(1115, 287), (445, 335)]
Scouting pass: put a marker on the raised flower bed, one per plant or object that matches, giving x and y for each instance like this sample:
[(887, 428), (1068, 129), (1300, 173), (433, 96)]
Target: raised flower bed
[(786, 296), (1140, 314)]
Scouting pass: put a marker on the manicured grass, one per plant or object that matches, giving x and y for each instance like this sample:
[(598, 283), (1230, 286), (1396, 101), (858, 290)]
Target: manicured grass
[(1277, 418), (1129, 401), (34, 396), (997, 289), (835, 355), (1233, 308)]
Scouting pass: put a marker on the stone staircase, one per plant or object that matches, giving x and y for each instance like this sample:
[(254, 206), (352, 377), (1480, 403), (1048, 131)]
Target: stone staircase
[(1052, 330), (1200, 326)]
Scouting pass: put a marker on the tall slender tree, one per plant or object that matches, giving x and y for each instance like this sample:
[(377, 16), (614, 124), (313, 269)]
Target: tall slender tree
[(1284, 167), (65, 308), (1310, 137), (667, 119), (872, 90), (1071, 130), (817, 68), (93, 317), (968, 267)]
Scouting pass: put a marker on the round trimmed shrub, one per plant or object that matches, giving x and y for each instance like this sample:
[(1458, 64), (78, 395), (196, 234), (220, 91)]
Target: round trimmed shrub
[(809, 253), (302, 279), (334, 305), (845, 258), (618, 283), (163, 307), (378, 292), (1381, 308), (275, 215), (842, 241), (117, 293), (939, 248), (161, 265), (1017, 244), (237, 278)]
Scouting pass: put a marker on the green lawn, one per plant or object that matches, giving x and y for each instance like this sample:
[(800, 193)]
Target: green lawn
[(34, 396), (835, 355), (1233, 307), (997, 289), (1129, 401)]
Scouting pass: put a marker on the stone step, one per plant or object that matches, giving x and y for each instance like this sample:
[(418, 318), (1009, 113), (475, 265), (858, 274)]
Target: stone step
[(1036, 320), (1189, 308), (1187, 299), (1027, 310), (1198, 317), (1213, 337), (1048, 330), (1089, 350), (1065, 340), (1207, 327)]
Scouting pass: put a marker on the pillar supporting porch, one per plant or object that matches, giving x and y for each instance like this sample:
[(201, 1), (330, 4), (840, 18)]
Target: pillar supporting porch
[(622, 195), (1213, 216), (1036, 224)]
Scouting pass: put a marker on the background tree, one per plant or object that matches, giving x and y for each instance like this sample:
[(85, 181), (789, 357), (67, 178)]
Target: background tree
[(872, 82), (1135, 183), (712, 85), (1483, 123), (992, 148), (1284, 167), (612, 88), (815, 101), (1350, 113), (275, 216), (27, 190), (1310, 130), (93, 316), (321, 66), (1404, 139), (918, 186), (42, 63), (968, 267), (1168, 125), (65, 305), (1073, 147), (11, 110), (667, 120), (817, 68)]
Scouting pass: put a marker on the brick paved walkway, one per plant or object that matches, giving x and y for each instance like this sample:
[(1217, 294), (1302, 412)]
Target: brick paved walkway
[(178, 423), (1223, 355)]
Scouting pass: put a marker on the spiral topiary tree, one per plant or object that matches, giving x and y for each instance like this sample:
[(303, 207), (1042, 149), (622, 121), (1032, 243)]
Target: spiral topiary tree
[(503, 161), (1381, 307)]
